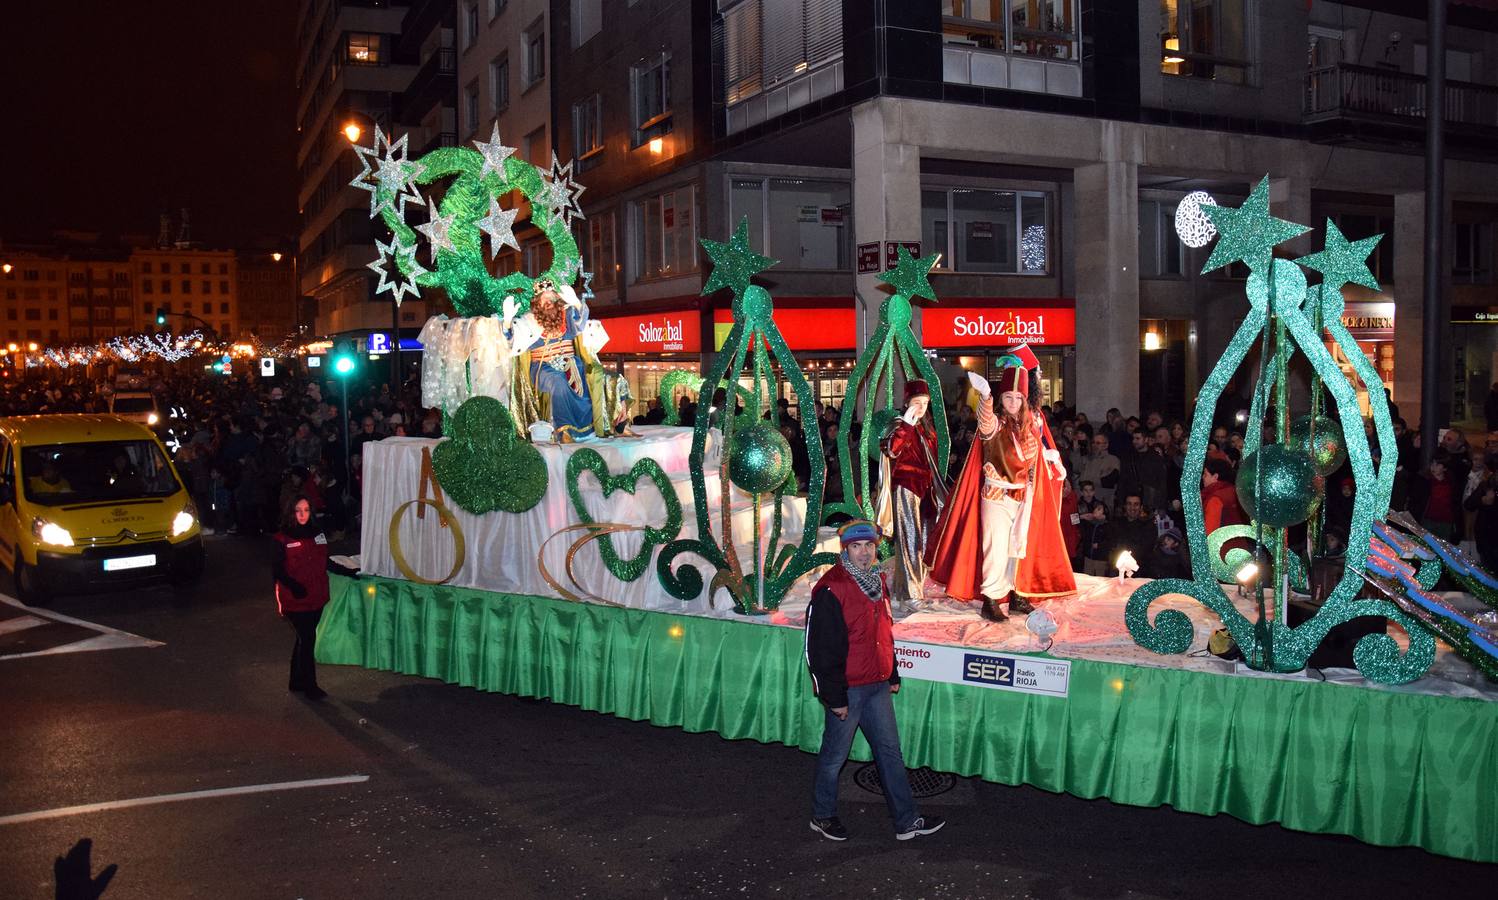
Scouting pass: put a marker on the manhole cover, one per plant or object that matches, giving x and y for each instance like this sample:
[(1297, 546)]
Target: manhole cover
[(924, 782)]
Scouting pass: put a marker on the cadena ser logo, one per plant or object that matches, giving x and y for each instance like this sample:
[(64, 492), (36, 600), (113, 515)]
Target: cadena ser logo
[(986, 669)]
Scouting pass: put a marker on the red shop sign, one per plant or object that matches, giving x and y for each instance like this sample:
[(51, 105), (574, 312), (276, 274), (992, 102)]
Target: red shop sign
[(803, 328), (997, 326), (662, 332)]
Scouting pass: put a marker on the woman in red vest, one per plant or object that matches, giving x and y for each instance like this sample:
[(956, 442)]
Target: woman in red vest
[(300, 567)]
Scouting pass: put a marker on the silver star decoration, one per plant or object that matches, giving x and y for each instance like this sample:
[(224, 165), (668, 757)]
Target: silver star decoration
[(494, 154), (362, 180), (561, 193), (397, 253), (500, 226), (396, 176), (587, 292), (437, 229)]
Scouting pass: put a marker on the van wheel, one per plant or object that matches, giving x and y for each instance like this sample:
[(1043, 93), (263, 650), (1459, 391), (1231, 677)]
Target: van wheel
[(30, 589)]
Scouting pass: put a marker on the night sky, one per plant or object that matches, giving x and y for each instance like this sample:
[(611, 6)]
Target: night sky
[(116, 111)]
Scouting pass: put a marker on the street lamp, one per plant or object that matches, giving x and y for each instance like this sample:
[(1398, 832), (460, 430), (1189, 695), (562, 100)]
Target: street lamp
[(6, 268), (353, 132)]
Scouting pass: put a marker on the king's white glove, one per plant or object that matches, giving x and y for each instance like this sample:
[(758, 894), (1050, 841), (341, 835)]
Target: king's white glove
[(526, 334), (509, 310), (594, 336), (569, 296)]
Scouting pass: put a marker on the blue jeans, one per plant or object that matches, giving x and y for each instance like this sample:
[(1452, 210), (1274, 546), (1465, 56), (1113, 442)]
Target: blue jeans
[(869, 708)]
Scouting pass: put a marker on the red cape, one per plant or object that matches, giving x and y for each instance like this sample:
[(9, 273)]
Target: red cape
[(956, 554)]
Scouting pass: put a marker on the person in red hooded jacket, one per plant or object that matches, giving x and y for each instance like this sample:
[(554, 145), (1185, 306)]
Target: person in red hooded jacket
[(1219, 497), (300, 567)]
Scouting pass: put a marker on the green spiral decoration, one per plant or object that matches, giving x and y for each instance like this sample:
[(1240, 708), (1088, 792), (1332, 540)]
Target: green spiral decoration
[(892, 346), (590, 460), (751, 345), (1284, 317)]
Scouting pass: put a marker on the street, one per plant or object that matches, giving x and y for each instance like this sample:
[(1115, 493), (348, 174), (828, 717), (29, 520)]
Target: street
[(482, 795)]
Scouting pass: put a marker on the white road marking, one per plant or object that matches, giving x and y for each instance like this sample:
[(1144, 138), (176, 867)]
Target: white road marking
[(39, 815), (20, 623), (107, 639)]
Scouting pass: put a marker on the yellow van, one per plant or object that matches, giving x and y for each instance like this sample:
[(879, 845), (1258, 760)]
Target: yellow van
[(90, 502)]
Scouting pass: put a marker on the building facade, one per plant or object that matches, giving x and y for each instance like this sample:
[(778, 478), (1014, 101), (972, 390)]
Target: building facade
[(1041, 147), (266, 294), (353, 69), (198, 289)]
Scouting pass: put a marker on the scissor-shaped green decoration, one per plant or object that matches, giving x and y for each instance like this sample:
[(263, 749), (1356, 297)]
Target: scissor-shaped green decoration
[(873, 380), (751, 344), (1287, 316)]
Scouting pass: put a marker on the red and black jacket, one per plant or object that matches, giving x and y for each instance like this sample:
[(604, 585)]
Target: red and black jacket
[(849, 638), (300, 561)]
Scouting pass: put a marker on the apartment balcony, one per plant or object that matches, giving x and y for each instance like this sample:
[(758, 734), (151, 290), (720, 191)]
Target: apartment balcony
[(1346, 103), (435, 82), (439, 140)]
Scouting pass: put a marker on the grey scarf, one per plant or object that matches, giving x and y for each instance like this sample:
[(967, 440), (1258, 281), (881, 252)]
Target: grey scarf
[(868, 579)]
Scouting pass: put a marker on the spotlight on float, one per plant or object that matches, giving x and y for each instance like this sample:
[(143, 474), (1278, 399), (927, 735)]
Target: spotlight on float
[(1247, 574), (1043, 625), (1126, 565)]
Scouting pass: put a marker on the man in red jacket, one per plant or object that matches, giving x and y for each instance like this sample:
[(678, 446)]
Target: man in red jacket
[(850, 649), (1219, 497)]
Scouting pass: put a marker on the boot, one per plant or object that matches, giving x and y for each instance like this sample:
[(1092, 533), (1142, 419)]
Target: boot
[(990, 611), (1019, 606)]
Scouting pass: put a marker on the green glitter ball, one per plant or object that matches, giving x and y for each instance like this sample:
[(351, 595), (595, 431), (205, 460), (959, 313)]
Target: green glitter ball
[(1326, 448), (760, 459), (756, 303), (1291, 487)]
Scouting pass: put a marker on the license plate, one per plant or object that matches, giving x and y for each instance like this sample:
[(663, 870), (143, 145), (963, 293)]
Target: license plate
[(129, 562)]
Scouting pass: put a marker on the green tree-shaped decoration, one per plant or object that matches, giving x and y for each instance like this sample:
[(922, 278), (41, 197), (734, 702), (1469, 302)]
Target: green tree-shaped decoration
[(751, 344), (1281, 318), (873, 382)]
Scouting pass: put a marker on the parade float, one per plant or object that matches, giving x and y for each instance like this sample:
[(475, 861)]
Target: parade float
[(546, 547)]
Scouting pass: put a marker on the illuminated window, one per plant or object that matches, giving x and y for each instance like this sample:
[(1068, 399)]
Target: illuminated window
[(1042, 28), (806, 224), (366, 49), (1205, 39), (667, 224), (976, 230), (650, 88)]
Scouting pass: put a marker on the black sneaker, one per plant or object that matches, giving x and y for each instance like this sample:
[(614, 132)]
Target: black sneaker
[(922, 825), (832, 829)]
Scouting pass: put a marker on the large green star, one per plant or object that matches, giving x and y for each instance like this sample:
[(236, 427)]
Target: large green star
[(908, 277), (1249, 232), (734, 263), (1342, 261)]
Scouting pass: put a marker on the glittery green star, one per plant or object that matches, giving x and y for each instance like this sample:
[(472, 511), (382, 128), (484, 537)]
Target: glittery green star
[(908, 277), (1249, 232), (1342, 261), (734, 263)]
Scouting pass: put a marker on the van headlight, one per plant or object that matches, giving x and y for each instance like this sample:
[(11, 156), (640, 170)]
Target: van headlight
[(182, 522), (51, 533), (152, 418)]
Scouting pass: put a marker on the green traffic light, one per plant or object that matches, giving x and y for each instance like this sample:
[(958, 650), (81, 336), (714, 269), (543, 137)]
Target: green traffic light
[(343, 365)]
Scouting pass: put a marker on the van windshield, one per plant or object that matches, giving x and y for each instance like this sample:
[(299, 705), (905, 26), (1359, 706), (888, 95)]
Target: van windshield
[(102, 471), (134, 404)]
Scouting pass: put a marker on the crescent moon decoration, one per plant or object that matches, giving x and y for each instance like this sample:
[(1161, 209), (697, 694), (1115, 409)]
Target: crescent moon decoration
[(469, 212), (448, 519), (1194, 226)]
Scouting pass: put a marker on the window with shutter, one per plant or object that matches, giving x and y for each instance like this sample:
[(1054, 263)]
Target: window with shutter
[(766, 42)]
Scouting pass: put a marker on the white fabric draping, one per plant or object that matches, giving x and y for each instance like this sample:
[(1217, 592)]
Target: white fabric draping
[(463, 358), (503, 548)]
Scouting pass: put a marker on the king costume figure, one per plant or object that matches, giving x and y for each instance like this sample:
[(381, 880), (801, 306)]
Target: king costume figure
[(850, 650), (910, 493), (1000, 537), (559, 379)]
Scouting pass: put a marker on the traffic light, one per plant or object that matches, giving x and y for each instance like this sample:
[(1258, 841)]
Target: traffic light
[(160, 316), (344, 360)]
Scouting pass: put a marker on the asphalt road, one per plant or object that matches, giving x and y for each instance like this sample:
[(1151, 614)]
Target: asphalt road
[(483, 795)]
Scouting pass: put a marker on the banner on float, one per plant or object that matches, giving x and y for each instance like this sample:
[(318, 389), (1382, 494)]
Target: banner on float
[(984, 668)]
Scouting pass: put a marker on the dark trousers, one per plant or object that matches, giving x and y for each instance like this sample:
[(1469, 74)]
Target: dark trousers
[(303, 665)]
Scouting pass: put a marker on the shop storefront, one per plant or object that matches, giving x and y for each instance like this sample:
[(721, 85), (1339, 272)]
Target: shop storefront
[(1474, 332), (643, 347), (1371, 323), (973, 333)]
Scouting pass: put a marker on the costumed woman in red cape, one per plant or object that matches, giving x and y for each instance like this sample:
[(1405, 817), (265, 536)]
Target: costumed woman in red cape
[(999, 539)]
